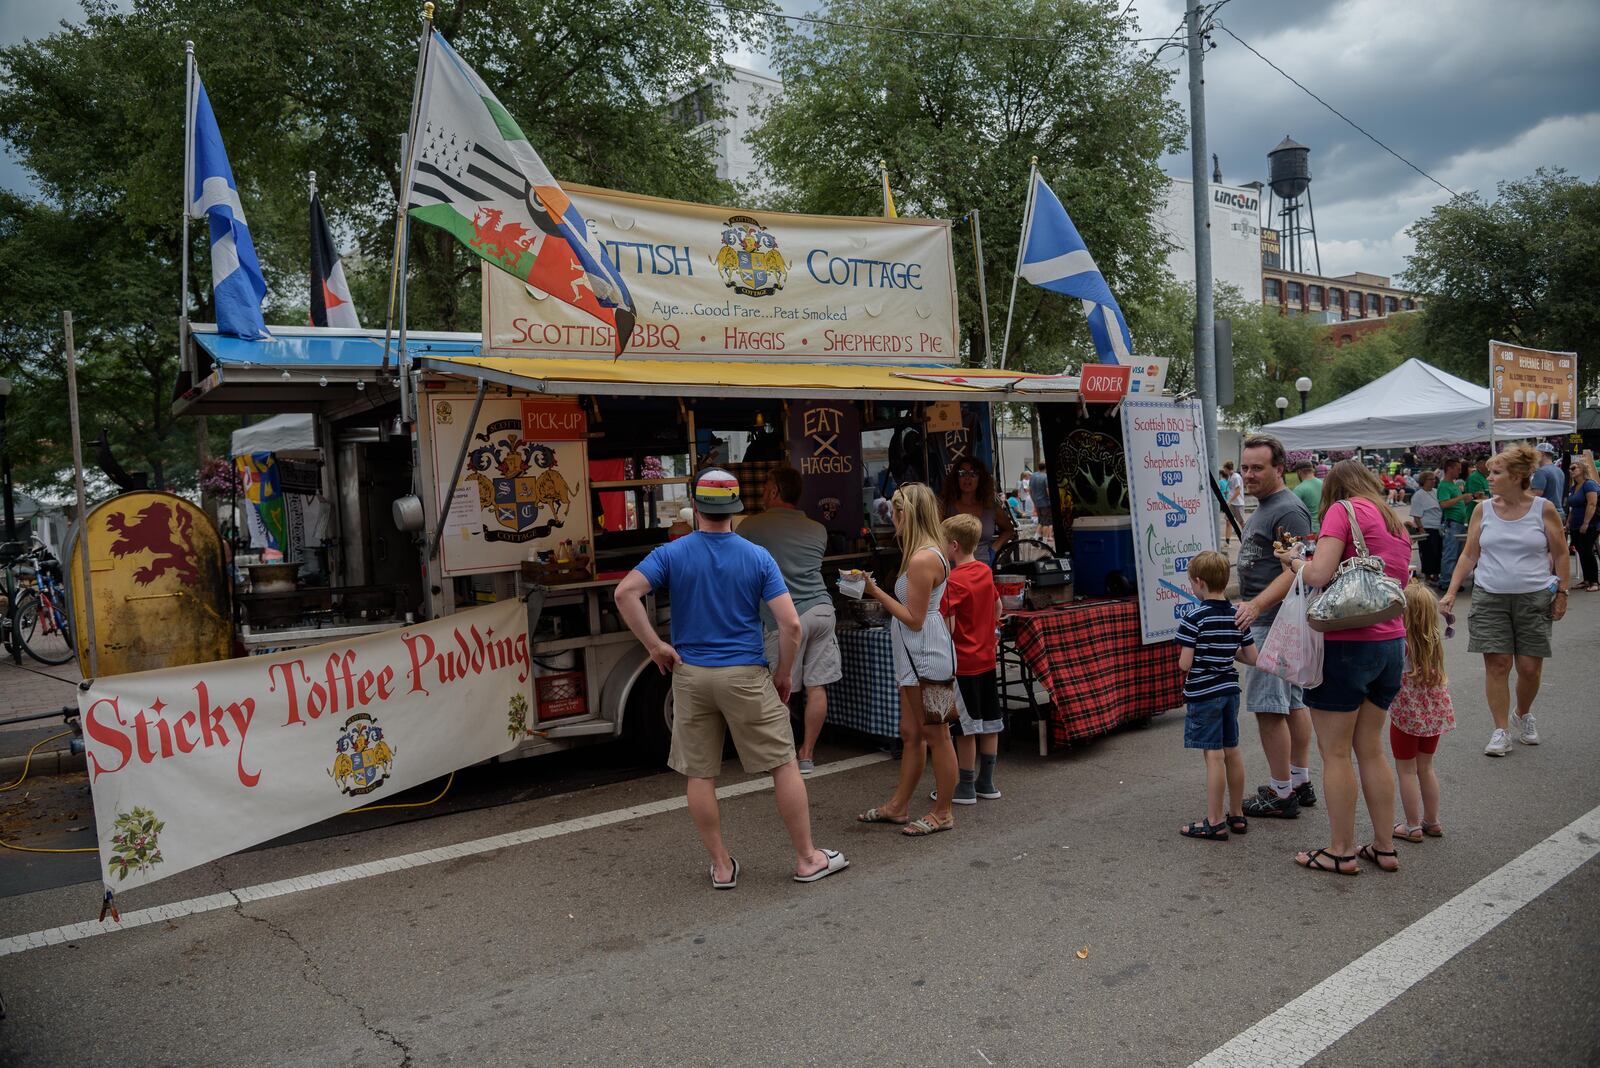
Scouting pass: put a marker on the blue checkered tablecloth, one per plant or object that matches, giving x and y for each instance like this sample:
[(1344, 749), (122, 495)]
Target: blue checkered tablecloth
[(866, 698)]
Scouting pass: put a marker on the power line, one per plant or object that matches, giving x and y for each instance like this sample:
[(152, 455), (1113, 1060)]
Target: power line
[(1353, 125), (861, 28)]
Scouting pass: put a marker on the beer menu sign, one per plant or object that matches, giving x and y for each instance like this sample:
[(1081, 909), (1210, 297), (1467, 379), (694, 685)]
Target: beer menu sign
[(1533, 385)]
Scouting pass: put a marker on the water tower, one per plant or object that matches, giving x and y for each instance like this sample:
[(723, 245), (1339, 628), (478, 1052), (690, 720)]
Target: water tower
[(1289, 179)]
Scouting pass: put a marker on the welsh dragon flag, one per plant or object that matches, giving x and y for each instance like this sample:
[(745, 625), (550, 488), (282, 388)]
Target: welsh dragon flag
[(477, 176)]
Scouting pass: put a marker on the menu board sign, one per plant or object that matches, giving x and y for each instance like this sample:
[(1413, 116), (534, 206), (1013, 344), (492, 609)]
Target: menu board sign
[(1168, 470), (1532, 386)]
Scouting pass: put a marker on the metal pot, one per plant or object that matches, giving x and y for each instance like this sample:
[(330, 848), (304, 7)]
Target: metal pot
[(273, 578)]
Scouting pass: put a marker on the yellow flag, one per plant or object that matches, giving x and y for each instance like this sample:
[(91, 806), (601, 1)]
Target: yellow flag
[(888, 195)]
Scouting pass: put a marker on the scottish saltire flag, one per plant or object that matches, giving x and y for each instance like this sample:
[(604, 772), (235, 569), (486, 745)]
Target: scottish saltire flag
[(1054, 257), (237, 288), (477, 176), (330, 294)]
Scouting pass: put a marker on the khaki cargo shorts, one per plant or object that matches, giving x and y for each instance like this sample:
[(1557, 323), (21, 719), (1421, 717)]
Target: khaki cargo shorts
[(707, 701), (818, 662), (1513, 623)]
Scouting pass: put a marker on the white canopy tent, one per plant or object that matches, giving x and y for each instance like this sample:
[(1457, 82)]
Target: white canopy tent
[(1415, 404), (287, 433)]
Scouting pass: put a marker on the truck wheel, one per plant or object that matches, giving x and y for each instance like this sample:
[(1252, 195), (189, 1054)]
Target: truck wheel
[(647, 717)]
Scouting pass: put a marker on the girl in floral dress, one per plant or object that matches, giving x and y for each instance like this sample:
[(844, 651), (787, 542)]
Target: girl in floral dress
[(1420, 714)]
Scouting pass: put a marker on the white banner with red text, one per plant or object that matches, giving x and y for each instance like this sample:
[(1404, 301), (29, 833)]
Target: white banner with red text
[(194, 763), (733, 282)]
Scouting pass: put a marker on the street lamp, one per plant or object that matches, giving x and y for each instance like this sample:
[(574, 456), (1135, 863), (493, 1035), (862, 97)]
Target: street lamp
[(1283, 406), (5, 464), (1303, 384)]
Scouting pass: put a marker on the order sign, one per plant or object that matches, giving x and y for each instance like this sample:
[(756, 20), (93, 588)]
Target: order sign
[(1533, 383)]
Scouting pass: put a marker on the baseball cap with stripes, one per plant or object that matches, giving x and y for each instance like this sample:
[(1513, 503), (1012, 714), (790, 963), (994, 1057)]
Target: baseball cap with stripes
[(716, 492)]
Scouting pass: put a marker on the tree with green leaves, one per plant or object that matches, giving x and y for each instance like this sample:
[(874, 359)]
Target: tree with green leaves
[(957, 119), (95, 114), (1523, 267)]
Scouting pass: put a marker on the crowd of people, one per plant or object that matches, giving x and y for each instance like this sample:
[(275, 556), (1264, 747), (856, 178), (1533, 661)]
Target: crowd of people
[(753, 623), (1389, 670)]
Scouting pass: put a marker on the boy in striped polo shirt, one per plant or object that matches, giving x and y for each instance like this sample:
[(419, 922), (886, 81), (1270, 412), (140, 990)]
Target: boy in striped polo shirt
[(1210, 642)]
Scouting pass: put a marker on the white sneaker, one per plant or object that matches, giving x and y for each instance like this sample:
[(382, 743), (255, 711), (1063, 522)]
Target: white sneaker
[(1527, 730), (1499, 743)]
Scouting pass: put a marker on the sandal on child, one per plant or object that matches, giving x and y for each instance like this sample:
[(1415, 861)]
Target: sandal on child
[(1314, 862), (1373, 853), (1238, 825), (1408, 834), (1433, 830), (1211, 832)]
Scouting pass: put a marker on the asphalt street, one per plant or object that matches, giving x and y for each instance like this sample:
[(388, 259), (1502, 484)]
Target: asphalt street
[(1064, 924)]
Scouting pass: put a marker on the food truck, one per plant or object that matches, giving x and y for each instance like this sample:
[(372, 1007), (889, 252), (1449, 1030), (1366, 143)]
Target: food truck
[(452, 470)]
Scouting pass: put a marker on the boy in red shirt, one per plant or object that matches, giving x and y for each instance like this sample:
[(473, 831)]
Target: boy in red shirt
[(971, 606)]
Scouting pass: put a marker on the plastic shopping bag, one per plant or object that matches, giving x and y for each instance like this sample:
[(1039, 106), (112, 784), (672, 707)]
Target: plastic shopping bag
[(1293, 651)]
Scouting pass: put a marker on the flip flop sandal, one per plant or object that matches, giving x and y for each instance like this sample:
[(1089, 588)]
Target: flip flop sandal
[(1372, 853), (925, 826), (1313, 862), (1408, 834), (1205, 829), (836, 862), (1238, 825), (1433, 830), (732, 882), (873, 815)]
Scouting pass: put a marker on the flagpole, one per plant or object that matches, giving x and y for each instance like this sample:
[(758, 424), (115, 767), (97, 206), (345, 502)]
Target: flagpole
[(983, 289), (883, 180), (202, 435), (188, 199), (1022, 245), (397, 281)]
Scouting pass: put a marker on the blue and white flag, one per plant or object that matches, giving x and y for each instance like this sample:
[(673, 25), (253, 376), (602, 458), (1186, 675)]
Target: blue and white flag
[(1054, 257), (237, 287)]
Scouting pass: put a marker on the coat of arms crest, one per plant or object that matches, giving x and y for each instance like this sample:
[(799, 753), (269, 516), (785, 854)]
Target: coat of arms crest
[(362, 759), (749, 261)]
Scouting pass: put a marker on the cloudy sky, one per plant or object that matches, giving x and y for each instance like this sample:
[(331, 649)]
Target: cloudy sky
[(1472, 91)]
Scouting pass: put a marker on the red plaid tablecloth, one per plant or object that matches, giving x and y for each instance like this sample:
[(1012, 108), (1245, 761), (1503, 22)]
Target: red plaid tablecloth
[(1096, 669)]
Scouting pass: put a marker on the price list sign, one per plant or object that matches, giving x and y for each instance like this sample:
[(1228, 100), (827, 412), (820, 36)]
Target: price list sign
[(1164, 443)]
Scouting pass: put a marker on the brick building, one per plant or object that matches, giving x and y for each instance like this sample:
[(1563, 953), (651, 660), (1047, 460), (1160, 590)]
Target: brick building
[(1361, 302)]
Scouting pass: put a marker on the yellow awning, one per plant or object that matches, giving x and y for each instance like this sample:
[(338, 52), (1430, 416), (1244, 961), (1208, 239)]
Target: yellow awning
[(706, 378)]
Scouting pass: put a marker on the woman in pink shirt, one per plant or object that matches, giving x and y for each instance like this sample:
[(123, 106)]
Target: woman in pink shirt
[(1361, 670)]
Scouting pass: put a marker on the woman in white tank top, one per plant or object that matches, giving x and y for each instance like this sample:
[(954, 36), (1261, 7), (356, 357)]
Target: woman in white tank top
[(1518, 549)]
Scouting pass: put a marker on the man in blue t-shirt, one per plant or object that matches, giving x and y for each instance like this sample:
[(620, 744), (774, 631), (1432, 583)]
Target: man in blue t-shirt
[(718, 582)]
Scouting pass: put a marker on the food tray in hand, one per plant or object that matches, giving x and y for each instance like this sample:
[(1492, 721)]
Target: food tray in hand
[(577, 569)]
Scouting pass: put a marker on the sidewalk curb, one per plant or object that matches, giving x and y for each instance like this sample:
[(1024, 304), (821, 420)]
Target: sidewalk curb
[(45, 762)]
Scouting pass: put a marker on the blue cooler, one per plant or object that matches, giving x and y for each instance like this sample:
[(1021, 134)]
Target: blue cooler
[(1101, 545)]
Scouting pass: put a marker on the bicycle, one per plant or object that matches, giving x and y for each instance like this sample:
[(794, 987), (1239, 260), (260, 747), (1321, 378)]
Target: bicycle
[(37, 622)]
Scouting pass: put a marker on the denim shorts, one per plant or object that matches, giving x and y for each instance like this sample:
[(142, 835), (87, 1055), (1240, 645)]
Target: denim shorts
[(1264, 692), (1357, 671), (1212, 723)]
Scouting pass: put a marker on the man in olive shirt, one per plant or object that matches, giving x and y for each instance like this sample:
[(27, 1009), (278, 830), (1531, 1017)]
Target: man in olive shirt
[(1454, 511), (798, 543), (1309, 490)]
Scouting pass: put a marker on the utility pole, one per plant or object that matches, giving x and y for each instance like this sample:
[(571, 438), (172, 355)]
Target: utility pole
[(1205, 353)]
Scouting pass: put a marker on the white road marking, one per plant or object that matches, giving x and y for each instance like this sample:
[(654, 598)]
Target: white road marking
[(76, 932), (1336, 1006)]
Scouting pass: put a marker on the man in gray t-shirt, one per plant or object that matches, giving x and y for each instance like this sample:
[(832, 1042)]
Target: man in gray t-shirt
[(1043, 506), (1280, 708), (798, 543), (1547, 480)]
